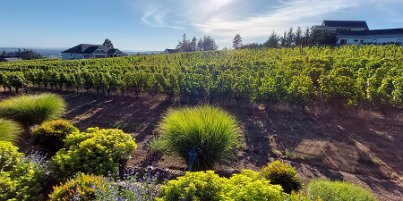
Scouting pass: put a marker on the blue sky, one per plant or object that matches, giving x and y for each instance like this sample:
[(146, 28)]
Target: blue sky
[(159, 24)]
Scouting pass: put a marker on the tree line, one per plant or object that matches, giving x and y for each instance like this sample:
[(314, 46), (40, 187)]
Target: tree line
[(203, 44), (291, 38), (25, 54)]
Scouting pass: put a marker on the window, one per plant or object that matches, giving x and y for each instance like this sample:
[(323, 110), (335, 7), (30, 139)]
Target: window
[(343, 41), (355, 40)]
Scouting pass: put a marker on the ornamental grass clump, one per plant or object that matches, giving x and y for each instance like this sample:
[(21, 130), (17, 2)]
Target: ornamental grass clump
[(338, 191), (283, 174), (51, 134), (96, 151), (202, 135), (9, 130), (32, 109)]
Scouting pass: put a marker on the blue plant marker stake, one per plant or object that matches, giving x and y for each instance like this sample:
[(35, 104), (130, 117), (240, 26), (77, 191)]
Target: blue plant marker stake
[(192, 158)]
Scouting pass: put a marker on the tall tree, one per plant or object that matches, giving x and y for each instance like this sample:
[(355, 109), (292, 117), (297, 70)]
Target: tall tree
[(193, 44), (283, 40), (306, 38), (290, 38), (184, 45), (108, 43), (323, 37), (298, 37), (273, 40), (237, 42)]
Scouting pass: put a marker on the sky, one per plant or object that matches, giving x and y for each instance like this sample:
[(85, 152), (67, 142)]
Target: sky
[(159, 24)]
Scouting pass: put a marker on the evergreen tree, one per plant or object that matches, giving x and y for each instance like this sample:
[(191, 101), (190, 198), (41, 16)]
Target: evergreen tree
[(289, 38), (193, 44), (108, 43), (283, 40), (273, 40), (237, 42), (306, 38), (298, 37)]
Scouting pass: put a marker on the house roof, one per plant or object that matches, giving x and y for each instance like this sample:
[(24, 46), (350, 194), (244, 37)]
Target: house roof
[(170, 51), (85, 49), (372, 32), (11, 59), (351, 24)]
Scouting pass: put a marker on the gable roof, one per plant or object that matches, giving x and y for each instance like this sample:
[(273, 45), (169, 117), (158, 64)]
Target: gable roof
[(372, 32), (10, 59), (85, 49), (170, 51), (350, 24)]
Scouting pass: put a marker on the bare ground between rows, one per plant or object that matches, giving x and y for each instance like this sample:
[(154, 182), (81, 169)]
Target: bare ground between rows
[(358, 144)]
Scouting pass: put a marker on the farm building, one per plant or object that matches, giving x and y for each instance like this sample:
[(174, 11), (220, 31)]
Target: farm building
[(334, 26), (170, 51), (357, 33), (381, 36), (84, 51)]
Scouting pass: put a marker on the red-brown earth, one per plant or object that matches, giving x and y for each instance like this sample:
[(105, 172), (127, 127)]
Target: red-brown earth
[(363, 145)]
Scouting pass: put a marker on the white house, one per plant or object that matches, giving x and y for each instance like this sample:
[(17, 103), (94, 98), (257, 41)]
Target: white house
[(380, 36), (84, 51)]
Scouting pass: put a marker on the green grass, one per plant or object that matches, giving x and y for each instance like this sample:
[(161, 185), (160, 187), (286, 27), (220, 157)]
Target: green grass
[(338, 191), (32, 109), (210, 131), (9, 130)]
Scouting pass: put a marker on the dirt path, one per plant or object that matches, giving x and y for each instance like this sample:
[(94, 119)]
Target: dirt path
[(364, 146)]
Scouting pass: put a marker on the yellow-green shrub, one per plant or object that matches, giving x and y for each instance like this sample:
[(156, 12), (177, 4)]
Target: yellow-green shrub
[(96, 151), (193, 186), (283, 174), (19, 178), (82, 187), (51, 134), (338, 191), (248, 185)]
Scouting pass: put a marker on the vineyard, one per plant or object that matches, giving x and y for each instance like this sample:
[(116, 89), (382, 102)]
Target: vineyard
[(355, 74)]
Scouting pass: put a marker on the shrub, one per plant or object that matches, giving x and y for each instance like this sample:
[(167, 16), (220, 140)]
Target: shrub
[(210, 132), (338, 191), (51, 134), (32, 109), (283, 174), (19, 178), (9, 130), (248, 185), (82, 187), (193, 186), (96, 151)]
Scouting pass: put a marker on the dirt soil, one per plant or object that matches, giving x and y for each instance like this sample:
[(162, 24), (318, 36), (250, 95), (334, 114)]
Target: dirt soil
[(363, 145)]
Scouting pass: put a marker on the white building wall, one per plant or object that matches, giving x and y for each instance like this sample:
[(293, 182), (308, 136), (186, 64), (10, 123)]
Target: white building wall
[(356, 40), (70, 56)]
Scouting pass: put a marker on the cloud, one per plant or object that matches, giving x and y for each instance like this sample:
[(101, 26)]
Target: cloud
[(255, 19), (155, 16), (287, 14)]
